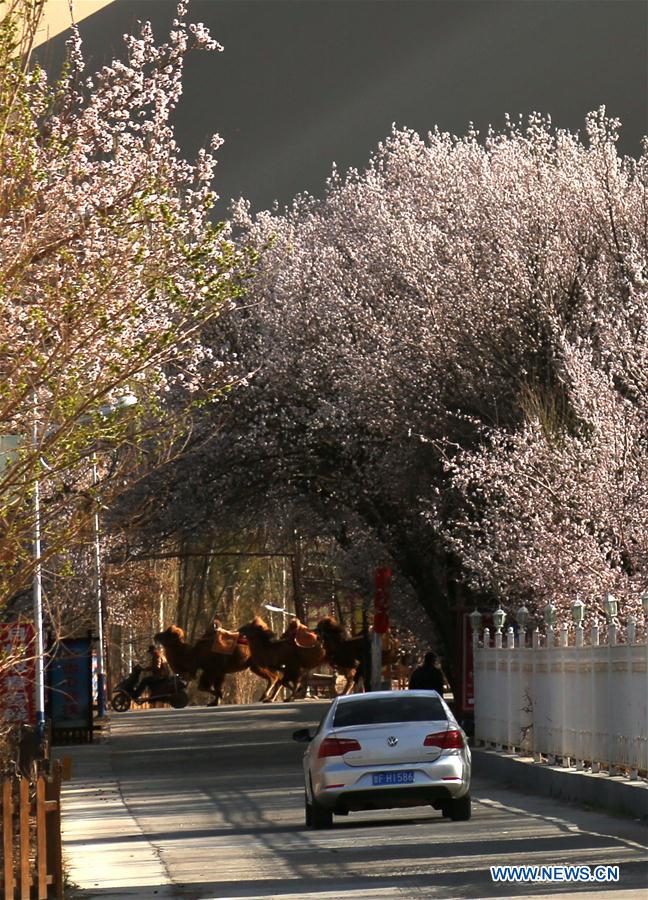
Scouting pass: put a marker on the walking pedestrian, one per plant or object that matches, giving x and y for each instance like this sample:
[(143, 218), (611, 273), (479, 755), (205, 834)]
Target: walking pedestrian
[(428, 677)]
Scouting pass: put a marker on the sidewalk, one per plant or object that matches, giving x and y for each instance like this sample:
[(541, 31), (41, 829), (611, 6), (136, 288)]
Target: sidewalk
[(94, 813), (614, 794)]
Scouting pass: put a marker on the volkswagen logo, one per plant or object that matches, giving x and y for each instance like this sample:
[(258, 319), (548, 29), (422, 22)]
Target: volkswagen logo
[(392, 741)]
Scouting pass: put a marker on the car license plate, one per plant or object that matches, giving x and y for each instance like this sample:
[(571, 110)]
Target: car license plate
[(402, 777)]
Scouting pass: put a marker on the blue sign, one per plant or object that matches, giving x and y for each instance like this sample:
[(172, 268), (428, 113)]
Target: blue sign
[(71, 684)]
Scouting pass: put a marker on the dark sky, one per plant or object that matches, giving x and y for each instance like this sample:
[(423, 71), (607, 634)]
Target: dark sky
[(303, 83)]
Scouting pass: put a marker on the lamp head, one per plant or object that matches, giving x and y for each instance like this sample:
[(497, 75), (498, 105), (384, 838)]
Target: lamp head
[(578, 611), (550, 614), (499, 617), (610, 606), (119, 405), (126, 401), (522, 616), (475, 618), (644, 603)]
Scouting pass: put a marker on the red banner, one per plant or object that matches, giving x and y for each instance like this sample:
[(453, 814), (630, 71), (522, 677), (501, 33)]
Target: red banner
[(467, 666), (17, 673), (381, 600)]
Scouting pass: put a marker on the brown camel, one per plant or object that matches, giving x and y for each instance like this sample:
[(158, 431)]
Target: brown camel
[(186, 659), (345, 655), (180, 655), (206, 649), (402, 668), (285, 654), (299, 634)]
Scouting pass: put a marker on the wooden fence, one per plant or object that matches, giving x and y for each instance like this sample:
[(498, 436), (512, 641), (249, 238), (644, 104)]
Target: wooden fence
[(31, 863)]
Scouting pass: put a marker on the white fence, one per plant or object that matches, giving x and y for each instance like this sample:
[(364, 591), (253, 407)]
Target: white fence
[(575, 701)]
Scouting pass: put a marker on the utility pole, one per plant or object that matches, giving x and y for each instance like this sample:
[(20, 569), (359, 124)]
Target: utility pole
[(380, 623), (296, 567)]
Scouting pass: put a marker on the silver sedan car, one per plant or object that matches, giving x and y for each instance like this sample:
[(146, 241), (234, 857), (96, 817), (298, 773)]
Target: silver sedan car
[(383, 750)]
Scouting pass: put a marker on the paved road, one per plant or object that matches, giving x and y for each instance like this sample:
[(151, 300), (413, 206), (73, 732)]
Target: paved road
[(208, 803)]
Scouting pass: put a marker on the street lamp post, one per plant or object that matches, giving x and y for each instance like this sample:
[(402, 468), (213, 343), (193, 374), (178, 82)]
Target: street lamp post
[(8, 445), (522, 617), (122, 403), (550, 615), (286, 613), (475, 619), (578, 614), (644, 606), (38, 595), (499, 617), (611, 608), (101, 661)]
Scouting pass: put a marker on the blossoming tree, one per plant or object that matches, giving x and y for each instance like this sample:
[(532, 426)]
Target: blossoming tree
[(110, 269), (407, 340)]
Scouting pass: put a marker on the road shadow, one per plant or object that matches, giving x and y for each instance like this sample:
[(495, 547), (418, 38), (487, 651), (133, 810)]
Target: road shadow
[(473, 883), (221, 805)]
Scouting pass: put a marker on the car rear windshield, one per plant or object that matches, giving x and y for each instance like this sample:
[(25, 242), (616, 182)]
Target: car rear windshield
[(385, 710)]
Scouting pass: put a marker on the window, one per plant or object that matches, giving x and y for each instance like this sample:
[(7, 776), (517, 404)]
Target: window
[(386, 710)]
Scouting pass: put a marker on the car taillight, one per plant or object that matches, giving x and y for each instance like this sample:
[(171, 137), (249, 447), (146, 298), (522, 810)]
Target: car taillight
[(337, 747), (445, 740)]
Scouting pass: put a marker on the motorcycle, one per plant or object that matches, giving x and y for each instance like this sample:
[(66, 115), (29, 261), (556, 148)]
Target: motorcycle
[(170, 690)]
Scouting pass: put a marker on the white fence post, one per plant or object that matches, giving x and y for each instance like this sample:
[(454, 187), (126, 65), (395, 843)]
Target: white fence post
[(594, 634), (512, 729), (553, 716), (595, 704), (566, 719), (484, 690), (532, 692)]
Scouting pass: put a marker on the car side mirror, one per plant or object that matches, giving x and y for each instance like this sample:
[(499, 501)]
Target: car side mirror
[(302, 736)]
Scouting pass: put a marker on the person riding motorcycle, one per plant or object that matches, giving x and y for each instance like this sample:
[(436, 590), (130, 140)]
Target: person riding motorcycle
[(157, 672)]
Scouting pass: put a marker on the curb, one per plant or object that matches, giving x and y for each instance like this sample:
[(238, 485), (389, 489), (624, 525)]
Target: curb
[(598, 790)]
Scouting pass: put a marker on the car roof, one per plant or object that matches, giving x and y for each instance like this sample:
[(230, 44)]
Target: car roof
[(371, 695)]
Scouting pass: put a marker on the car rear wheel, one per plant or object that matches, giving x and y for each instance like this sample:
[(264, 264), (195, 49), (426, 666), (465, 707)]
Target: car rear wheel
[(317, 816), (458, 810)]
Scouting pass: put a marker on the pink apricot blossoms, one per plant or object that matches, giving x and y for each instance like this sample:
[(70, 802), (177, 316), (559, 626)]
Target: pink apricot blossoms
[(110, 267), (451, 346)]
